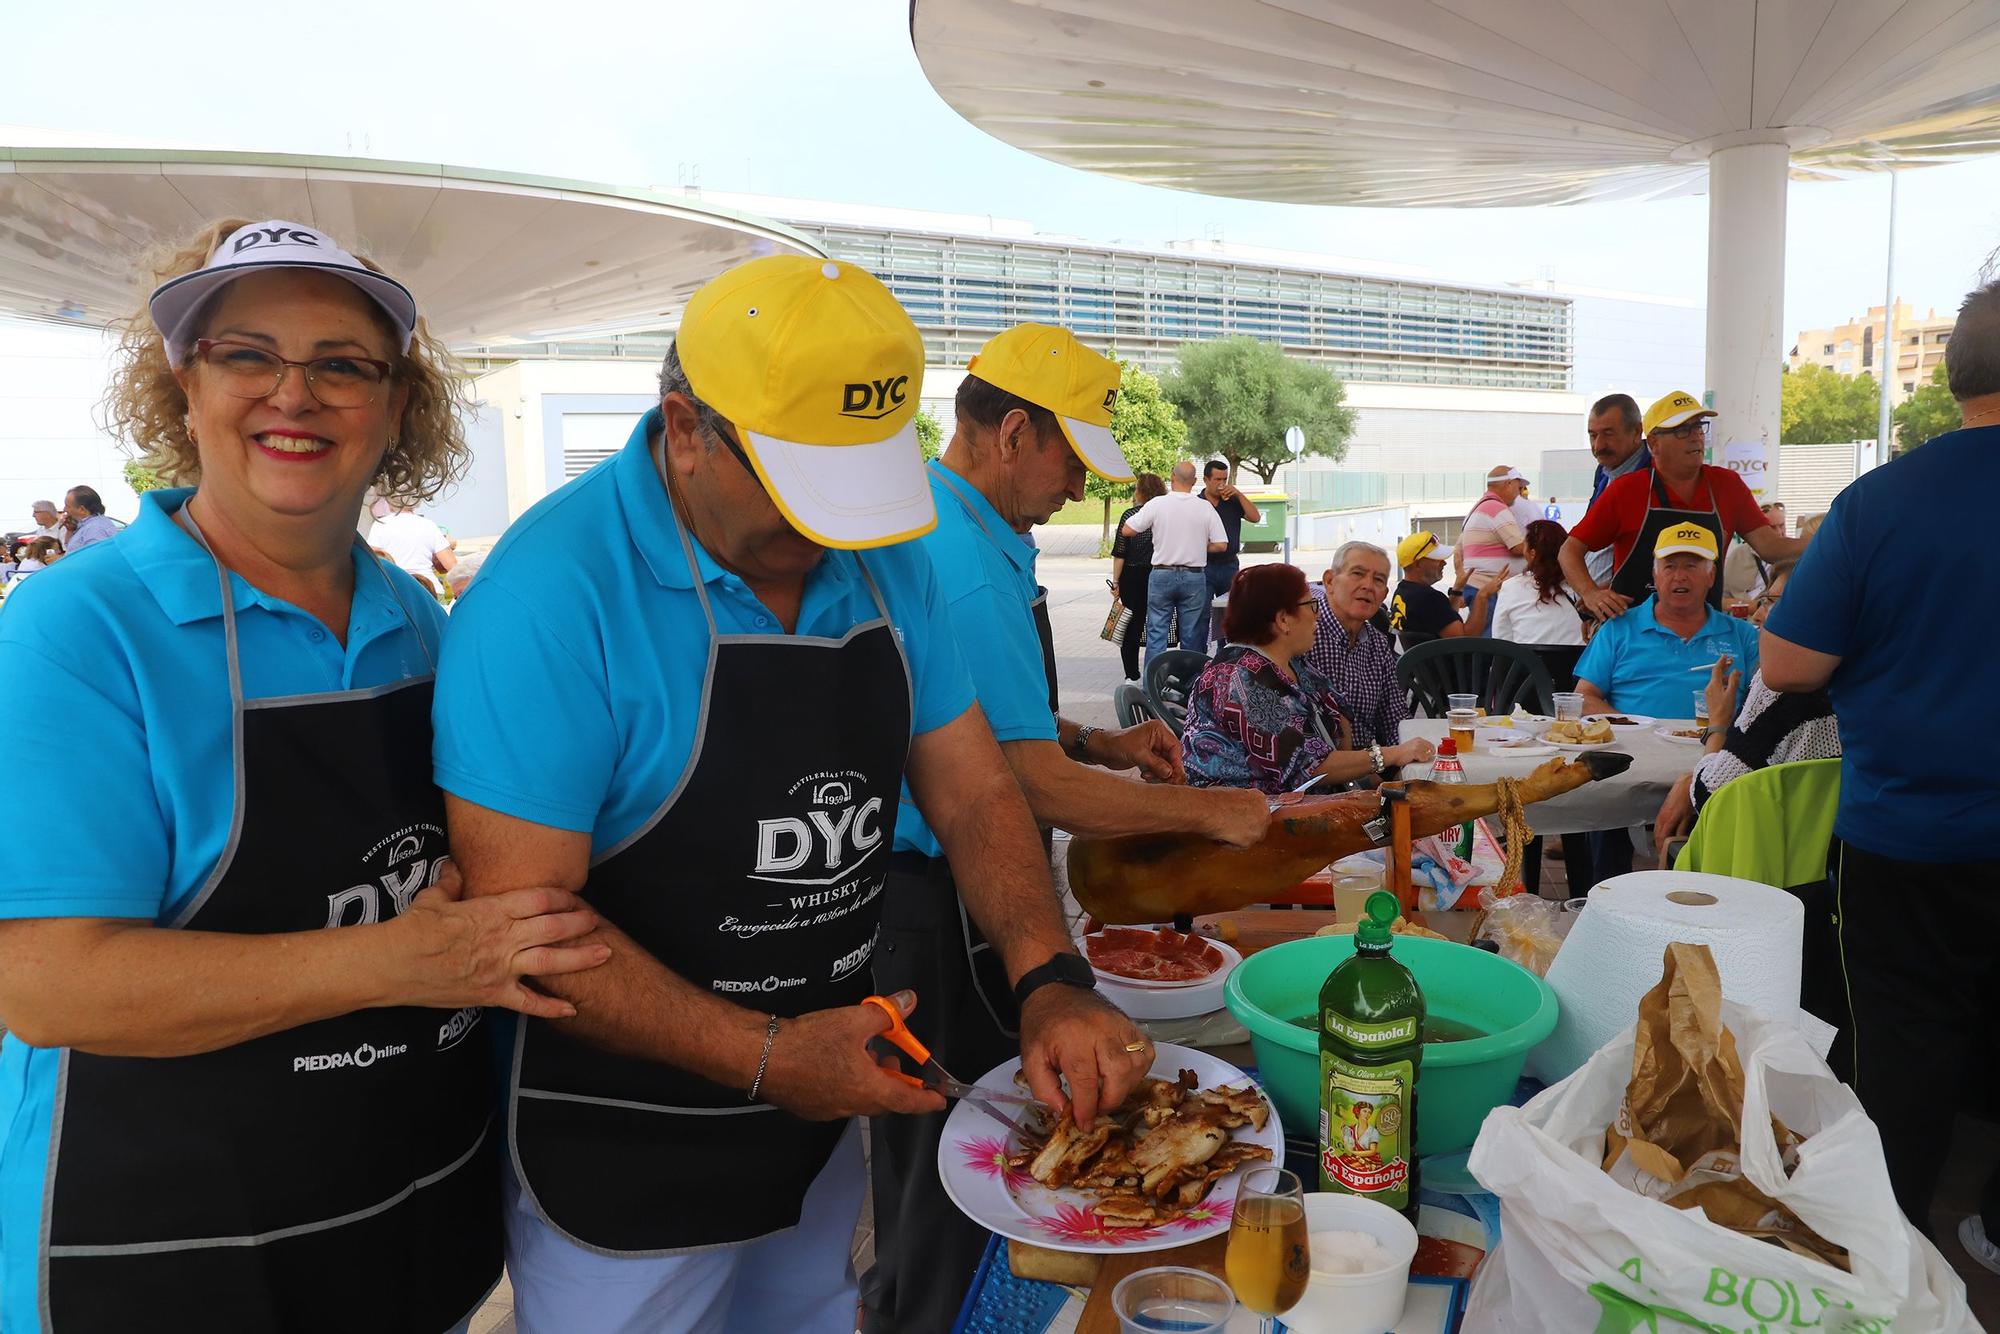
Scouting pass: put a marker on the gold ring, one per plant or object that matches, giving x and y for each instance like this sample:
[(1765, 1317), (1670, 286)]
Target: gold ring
[(1138, 1046)]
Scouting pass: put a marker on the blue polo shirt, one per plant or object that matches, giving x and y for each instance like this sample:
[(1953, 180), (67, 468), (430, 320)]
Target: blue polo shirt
[(114, 707), (1916, 666), (571, 686), (987, 571), (1643, 667)]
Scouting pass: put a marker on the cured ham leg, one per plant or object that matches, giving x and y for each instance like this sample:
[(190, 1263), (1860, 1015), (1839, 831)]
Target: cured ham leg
[(1154, 877)]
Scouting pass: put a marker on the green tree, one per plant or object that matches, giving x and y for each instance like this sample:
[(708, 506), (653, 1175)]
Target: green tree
[(1239, 395), (1148, 429), (930, 436), (1928, 412), (141, 478), (1817, 406)]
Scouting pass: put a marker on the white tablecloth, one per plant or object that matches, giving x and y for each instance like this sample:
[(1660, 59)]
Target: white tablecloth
[(1633, 797)]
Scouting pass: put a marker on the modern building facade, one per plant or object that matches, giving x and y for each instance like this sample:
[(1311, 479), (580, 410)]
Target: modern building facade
[(1447, 377), (1854, 348)]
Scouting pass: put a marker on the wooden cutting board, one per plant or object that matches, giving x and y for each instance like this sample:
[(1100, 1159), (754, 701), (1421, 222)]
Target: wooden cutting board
[(1098, 1317)]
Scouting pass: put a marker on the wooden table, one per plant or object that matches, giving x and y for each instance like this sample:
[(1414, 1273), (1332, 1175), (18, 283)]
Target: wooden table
[(1255, 929)]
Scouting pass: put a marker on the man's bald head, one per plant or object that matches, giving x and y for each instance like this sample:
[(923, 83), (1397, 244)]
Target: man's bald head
[(1184, 475)]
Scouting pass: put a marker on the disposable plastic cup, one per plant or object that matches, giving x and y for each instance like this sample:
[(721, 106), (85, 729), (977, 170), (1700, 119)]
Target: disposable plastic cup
[(1701, 708), (1172, 1300), (1350, 895), (1569, 706), (1463, 702)]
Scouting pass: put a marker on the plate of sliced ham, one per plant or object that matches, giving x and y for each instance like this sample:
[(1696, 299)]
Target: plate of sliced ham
[(1139, 956)]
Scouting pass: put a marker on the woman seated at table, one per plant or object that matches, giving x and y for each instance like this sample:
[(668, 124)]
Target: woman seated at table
[(1537, 608), (1258, 716)]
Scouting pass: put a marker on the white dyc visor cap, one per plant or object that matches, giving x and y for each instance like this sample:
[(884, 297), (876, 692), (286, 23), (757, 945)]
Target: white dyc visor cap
[(176, 304)]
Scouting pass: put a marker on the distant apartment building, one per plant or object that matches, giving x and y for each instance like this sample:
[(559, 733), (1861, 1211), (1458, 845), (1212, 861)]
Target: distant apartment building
[(1854, 348)]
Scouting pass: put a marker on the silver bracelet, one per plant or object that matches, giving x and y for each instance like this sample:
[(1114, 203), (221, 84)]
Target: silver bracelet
[(1375, 756), (1083, 736), (770, 1036)]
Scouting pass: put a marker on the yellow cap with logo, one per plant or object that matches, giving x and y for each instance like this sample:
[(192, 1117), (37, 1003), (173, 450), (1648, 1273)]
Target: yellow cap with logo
[(1416, 547), (1049, 368), (1674, 409), (1691, 538), (819, 369)]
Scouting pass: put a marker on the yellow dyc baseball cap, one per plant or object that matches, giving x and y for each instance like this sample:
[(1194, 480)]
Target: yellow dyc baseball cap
[(1674, 409), (1689, 537), (819, 369), (1417, 546), (1049, 368)]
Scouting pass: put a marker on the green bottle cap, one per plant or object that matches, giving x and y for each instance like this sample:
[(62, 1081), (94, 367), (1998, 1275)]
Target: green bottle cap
[(1381, 914)]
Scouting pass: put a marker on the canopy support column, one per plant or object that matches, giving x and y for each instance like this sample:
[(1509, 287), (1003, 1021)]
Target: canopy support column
[(1746, 295)]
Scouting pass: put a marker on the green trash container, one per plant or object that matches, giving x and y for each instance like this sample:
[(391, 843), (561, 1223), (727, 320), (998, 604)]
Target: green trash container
[(1269, 534)]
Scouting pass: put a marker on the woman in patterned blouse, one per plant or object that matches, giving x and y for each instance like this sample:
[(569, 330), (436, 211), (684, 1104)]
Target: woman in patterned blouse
[(1258, 716)]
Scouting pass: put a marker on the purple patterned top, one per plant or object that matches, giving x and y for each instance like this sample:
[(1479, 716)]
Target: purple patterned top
[(1247, 726), (1364, 673)]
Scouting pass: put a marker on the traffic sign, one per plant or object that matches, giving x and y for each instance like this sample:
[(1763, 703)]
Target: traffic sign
[(1295, 440)]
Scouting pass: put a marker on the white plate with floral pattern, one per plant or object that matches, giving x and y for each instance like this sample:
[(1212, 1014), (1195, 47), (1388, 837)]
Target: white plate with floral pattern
[(972, 1160)]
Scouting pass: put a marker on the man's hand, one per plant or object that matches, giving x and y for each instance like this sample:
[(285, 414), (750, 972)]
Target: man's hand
[(821, 1068), (1238, 816), (1068, 1033), (1723, 681), (1150, 747), (1492, 589), (1604, 604), (1676, 815)]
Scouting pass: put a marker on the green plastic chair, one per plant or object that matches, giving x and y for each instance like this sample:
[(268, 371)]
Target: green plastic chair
[(1772, 825)]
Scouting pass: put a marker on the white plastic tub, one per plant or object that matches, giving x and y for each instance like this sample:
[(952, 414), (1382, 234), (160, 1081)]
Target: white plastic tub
[(1355, 1303)]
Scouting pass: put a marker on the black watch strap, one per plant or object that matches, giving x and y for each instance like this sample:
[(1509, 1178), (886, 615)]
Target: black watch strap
[(1069, 969)]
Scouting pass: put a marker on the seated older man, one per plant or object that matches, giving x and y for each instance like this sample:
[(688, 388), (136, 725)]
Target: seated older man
[(1353, 653), (1646, 661)]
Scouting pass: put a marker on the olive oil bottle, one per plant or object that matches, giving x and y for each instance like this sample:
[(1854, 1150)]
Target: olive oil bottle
[(1371, 1025)]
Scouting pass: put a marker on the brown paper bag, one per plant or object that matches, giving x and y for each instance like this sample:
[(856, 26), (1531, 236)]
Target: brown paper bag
[(1679, 1130)]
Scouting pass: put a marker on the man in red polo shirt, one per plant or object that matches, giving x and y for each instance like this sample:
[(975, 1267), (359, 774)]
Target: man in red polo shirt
[(1631, 512)]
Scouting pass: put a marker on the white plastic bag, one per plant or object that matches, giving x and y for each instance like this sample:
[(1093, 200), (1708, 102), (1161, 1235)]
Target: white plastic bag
[(1578, 1251)]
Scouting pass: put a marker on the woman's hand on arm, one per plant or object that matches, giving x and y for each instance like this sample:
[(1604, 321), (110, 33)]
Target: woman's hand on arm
[(124, 987)]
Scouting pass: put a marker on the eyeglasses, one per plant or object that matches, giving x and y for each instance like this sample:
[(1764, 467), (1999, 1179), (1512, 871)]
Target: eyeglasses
[(1698, 428), (247, 371), (1309, 602)]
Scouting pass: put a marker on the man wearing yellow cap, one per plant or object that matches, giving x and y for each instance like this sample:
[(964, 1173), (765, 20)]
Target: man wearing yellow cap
[(1650, 661), (690, 684), (1417, 609), (1677, 489), (1032, 414)]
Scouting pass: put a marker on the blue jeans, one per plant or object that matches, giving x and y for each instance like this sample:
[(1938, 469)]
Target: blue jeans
[(1177, 595)]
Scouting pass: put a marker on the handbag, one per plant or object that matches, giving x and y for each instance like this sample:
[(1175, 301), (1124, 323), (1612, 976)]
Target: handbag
[(1116, 621)]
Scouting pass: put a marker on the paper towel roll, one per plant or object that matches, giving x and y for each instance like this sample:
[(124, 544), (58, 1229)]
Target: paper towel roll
[(1615, 952)]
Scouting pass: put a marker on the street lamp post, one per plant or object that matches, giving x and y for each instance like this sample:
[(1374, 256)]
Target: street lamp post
[(1295, 440)]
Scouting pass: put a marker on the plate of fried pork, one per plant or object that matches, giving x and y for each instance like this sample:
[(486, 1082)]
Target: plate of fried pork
[(1160, 1170)]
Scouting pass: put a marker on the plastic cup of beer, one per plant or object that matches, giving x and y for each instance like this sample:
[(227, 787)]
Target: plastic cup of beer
[(1569, 706), (1350, 894), (1739, 609), (1464, 724), (1701, 708), (1465, 702), (1188, 1301)]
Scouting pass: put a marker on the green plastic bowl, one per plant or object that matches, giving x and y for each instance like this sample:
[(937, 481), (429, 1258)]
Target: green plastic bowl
[(1460, 1082)]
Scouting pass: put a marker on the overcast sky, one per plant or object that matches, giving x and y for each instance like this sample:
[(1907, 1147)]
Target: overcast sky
[(824, 99)]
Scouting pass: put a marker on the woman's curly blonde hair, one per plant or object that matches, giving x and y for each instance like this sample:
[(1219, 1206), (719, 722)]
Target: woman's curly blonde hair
[(145, 407)]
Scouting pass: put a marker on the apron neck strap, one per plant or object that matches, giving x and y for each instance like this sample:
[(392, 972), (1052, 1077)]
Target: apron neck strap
[(231, 645)]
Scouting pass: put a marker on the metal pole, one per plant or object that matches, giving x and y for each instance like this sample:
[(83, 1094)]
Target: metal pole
[(1889, 350)]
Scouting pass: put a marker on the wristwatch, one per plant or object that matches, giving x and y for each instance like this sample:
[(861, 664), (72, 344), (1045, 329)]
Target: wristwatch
[(1071, 970), (1375, 756), (1081, 746)]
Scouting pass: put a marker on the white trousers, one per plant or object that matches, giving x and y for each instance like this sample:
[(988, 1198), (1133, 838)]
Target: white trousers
[(800, 1280)]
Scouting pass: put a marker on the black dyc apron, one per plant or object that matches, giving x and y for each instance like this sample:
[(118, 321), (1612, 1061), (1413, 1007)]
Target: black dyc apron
[(334, 1177), (759, 878), (1634, 577)]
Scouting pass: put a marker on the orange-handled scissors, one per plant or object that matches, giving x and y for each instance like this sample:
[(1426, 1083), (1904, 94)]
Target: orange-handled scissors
[(930, 1075)]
